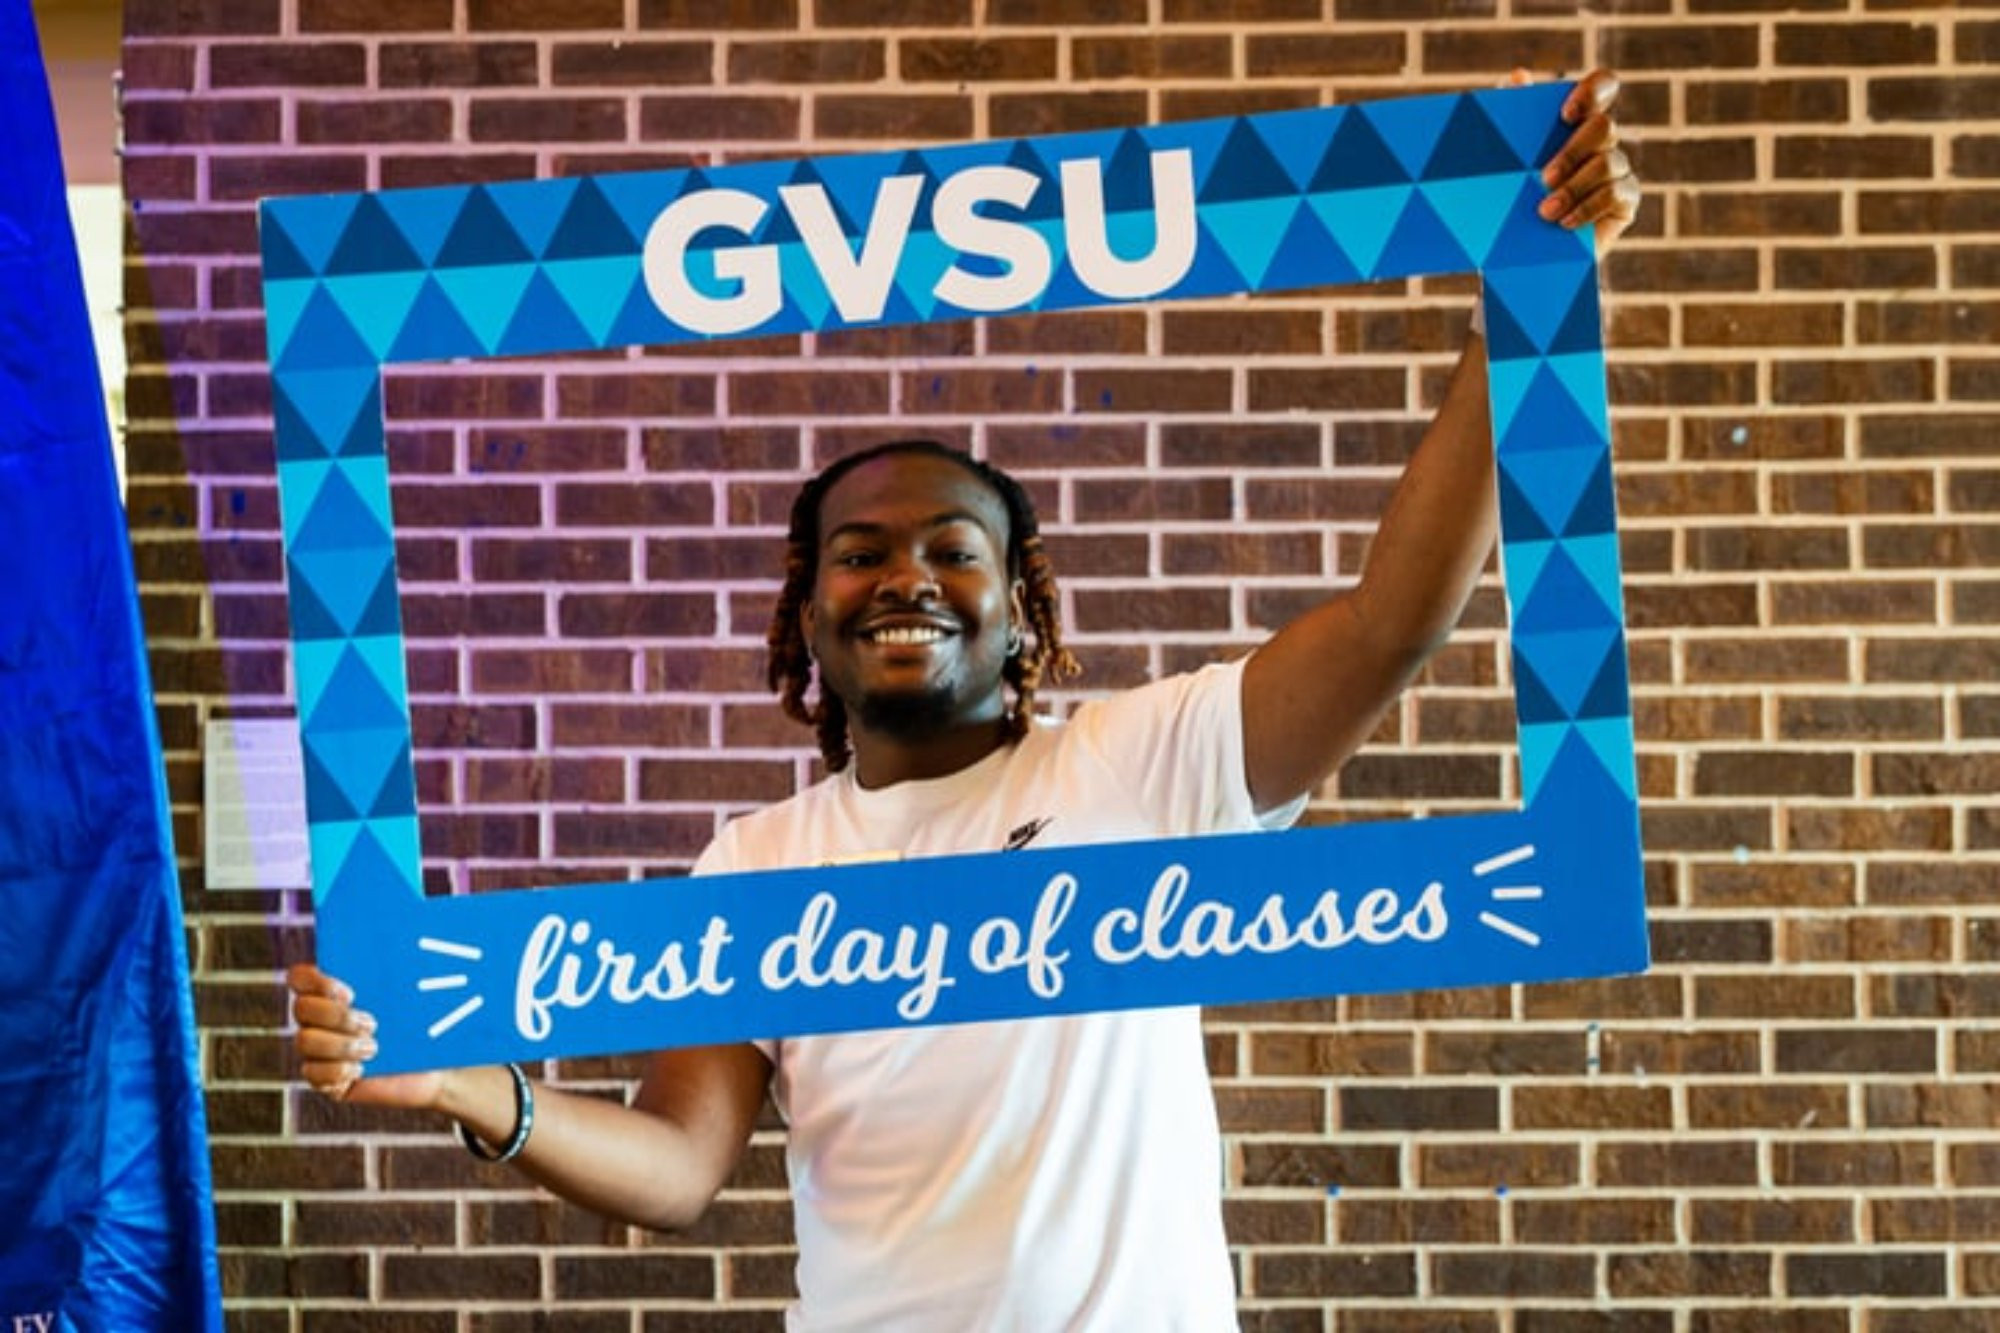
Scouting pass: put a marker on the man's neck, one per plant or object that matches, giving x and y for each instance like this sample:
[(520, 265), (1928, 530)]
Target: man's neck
[(883, 761)]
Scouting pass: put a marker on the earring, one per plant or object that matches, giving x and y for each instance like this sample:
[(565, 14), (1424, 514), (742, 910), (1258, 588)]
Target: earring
[(1014, 642)]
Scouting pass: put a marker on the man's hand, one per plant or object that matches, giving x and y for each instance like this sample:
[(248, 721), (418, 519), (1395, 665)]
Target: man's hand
[(1590, 180)]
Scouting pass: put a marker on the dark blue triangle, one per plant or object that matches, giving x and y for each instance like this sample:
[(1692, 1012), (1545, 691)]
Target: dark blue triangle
[(372, 243), (1046, 202), (1127, 183), (1579, 776), (398, 795), (1533, 701), (916, 164), (366, 872), (311, 621), (1308, 257), (1471, 146), (543, 322), (590, 228), (383, 614), (1597, 507), (1583, 327), (1421, 243), (806, 174), (1518, 517), (434, 330), (1608, 695), (777, 228), (325, 800), (281, 258), (1561, 600), (1211, 273), (365, 438), (1357, 159), (1245, 169), (482, 236), (1548, 418)]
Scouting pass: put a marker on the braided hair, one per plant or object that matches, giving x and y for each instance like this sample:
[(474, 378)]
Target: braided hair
[(790, 670)]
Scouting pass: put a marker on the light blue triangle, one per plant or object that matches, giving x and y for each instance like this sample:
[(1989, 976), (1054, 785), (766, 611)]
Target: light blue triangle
[(399, 838), (1540, 742), (332, 841), (323, 338), (349, 511), (355, 701), (1249, 232), (486, 298), (312, 666), (595, 289), (299, 480), (803, 286), (1610, 739), (924, 262), (369, 864), (1506, 385), (1539, 298), (425, 216), (284, 301), (384, 655), (534, 208), (1521, 565), (314, 223), (1582, 374), (377, 304), (1361, 220), (1472, 209)]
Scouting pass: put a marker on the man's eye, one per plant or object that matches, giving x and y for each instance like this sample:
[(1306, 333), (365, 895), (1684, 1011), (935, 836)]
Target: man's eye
[(855, 559), (958, 557)]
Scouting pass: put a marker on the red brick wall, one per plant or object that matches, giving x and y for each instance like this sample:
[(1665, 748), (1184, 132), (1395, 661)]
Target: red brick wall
[(1793, 1112)]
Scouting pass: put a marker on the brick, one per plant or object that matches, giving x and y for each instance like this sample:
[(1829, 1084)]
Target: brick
[(1767, 101), (1314, 1272), (1721, 1221), (490, 15), (1680, 1274), (976, 60), (631, 1276), (374, 15), (399, 120), (1932, 98), (182, 124), (1500, 1272), (444, 1276), (730, 15), (547, 119), (899, 118), (465, 64), (1871, 1274), (1511, 1164), (1575, 1107), (796, 62), (1856, 266), (1678, 47), (1362, 1220), (1704, 1164), (1318, 1164), (1173, 56)]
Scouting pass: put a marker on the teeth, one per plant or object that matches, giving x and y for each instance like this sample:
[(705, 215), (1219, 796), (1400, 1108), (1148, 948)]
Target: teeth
[(907, 634)]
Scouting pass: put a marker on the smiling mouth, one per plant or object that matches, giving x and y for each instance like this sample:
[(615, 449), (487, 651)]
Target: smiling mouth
[(904, 636)]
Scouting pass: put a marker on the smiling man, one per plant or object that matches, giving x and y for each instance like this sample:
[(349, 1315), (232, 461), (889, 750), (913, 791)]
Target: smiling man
[(1060, 1173)]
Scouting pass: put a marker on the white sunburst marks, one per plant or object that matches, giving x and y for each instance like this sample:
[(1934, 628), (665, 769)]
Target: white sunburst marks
[(450, 981), (1509, 893)]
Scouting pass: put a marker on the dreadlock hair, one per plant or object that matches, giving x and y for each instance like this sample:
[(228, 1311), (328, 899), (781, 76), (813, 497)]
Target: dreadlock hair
[(790, 670)]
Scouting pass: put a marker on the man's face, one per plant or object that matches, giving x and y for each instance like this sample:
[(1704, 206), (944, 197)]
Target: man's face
[(912, 606)]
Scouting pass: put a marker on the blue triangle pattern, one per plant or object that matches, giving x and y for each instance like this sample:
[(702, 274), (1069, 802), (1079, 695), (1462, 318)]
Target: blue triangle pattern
[(1360, 220), (1539, 743), (331, 841), (1472, 209), (485, 298), (1518, 518), (595, 290), (1528, 119), (1308, 257), (312, 407), (434, 330), (1562, 599), (1582, 374), (1298, 141), (1421, 243), (1533, 701), (312, 224), (1471, 146), (1610, 741), (378, 305), (542, 322), (534, 208), (1526, 240), (1609, 695), (1567, 662), (284, 301), (1246, 170), (591, 228), (281, 259), (1251, 231), (371, 242), (366, 867), (358, 762), (425, 217), (1357, 159), (323, 339), (1128, 176), (346, 584), (1410, 127), (1551, 482), (1547, 418), (354, 700), (481, 237), (324, 797)]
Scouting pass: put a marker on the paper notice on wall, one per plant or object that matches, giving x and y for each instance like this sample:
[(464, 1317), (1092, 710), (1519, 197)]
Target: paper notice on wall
[(254, 799)]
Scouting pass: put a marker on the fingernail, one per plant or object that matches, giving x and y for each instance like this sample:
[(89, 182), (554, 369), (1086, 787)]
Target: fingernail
[(1549, 174), (1551, 207), (364, 1022), (364, 1049)]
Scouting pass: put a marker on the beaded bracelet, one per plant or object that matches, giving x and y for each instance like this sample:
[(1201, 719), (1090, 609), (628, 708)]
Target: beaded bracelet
[(524, 1124)]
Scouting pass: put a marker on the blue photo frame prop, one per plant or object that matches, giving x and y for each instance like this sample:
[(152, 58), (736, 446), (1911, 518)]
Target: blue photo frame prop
[(1409, 187)]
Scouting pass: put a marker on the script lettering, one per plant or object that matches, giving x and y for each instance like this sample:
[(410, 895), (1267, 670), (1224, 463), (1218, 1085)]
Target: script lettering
[(803, 958), (554, 973)]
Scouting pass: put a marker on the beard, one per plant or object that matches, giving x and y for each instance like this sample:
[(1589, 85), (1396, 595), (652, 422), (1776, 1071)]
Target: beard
[(908, 715)]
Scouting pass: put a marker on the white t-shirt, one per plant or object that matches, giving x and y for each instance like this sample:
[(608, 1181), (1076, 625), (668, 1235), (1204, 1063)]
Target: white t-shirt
[(1050, 1174)]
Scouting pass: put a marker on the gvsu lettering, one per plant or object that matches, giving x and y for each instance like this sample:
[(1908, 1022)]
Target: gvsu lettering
[(969, 215), (1162, 931)]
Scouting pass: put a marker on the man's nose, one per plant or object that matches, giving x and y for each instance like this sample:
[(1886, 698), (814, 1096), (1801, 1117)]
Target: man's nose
[(907, 577)]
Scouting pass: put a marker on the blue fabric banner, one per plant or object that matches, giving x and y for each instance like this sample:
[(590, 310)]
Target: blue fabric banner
[(105, 1217)]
